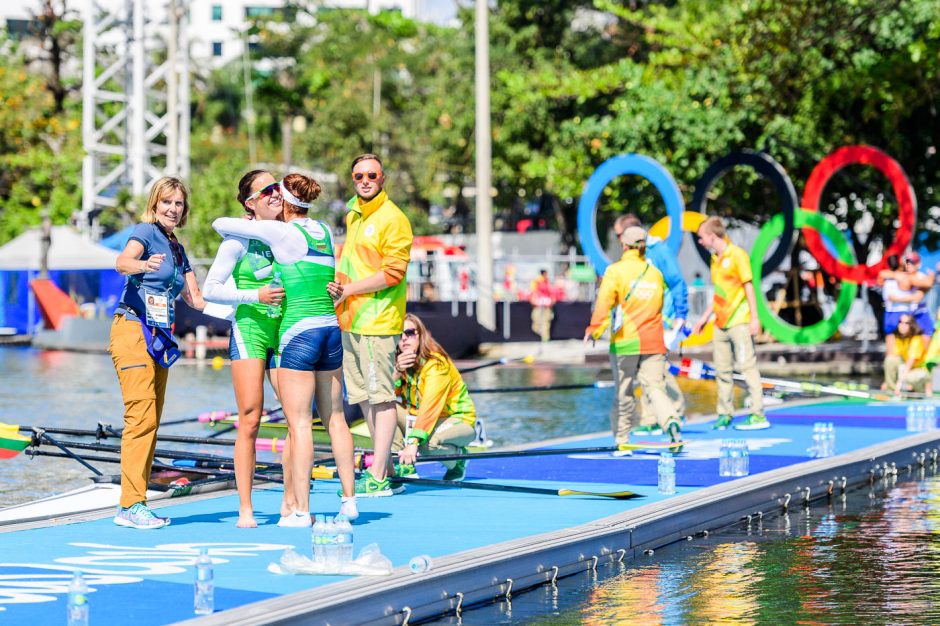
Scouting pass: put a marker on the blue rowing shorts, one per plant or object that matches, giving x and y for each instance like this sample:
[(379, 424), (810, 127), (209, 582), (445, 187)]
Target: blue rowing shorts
[(314, 350)]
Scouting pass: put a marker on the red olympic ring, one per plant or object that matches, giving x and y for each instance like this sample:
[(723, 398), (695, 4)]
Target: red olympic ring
[(907, 209)]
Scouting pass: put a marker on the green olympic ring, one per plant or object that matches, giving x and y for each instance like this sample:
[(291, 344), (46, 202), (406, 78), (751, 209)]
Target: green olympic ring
[(824, 329)]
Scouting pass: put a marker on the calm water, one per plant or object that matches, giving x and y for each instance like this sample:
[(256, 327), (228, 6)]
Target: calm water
[(74, 390), (871, 559)]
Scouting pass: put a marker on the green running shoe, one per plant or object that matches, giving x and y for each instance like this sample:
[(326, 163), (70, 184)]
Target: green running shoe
[(403, 470), (753, 422), (368, 487), (722, 422), (648, 429), (457, 472)]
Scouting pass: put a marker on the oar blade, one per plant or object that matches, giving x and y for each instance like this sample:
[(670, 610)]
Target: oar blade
[(616, 495)]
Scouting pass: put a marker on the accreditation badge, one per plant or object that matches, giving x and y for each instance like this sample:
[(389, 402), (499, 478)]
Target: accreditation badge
[(158, 308)]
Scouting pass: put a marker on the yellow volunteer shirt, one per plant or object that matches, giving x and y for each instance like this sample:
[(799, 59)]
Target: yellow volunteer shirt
[(378, 239), (435, 392), (907, 347), (730, 271), (630, 299)]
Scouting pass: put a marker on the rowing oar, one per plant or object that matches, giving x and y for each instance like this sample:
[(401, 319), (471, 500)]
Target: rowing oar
[(211, 417), (598, 384), (645, 445), (503, 361), (695, 369), (432, 482)]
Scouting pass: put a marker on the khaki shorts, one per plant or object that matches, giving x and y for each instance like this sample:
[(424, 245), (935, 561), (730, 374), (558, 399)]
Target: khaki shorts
[(369, 367)]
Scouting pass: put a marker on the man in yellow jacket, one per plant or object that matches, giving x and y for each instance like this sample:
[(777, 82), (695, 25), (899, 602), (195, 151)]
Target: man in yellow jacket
[(630, 301), (369, 294)]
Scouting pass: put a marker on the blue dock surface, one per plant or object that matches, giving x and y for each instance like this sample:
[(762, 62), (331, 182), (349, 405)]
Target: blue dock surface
[(146, 577)]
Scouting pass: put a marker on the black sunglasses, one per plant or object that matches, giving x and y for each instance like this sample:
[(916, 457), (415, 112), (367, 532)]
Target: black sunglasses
[(410, 332), (359, 175)]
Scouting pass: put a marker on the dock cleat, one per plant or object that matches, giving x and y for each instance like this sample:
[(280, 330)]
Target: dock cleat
[(458, 472), (722, 422), (753, 422), (140, 516), (647, 430)]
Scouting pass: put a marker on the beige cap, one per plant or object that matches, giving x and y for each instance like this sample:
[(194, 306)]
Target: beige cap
[(633, 235)]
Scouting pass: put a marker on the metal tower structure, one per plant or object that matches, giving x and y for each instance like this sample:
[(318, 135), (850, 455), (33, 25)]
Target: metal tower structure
[(135, 91)]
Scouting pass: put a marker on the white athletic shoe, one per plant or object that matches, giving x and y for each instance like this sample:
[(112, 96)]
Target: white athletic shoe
[(297, 519), (620, 453), (349, 508)]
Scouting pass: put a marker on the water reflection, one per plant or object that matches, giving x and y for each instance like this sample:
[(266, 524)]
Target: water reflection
[(854, 560)]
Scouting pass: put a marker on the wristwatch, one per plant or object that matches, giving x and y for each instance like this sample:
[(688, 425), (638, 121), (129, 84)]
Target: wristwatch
[(412, 441)]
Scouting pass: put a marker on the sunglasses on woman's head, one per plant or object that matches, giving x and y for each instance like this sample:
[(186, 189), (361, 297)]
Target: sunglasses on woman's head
[(410, 332), (267, 192), (359, 175)]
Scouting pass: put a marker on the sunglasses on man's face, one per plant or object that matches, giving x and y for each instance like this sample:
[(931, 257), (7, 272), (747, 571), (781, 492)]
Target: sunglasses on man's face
[(266, 192), (358, 176), (410, 332)]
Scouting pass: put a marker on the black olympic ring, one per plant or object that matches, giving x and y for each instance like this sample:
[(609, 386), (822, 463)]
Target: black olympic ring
[(766, 166)]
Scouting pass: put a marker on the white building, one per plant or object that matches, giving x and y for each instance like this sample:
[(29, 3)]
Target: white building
[(215, 26)]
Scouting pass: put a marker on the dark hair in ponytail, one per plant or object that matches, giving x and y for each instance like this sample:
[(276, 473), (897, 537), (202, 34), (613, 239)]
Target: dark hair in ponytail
[(244, 187)]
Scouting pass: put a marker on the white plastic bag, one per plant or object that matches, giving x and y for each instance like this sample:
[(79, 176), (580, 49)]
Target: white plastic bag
[(370, 562)]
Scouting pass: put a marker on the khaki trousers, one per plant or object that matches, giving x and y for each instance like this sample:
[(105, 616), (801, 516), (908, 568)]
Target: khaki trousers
[(542, 317), (673, 392), (448, 436), (916, 378), (734, 351), (143, 387), (649, 371)]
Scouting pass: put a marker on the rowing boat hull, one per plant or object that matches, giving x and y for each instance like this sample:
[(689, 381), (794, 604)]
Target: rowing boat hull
[(278, 431)]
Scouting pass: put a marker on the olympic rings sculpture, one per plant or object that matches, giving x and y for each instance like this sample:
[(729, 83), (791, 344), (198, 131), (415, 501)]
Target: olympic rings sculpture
[(781, 227)]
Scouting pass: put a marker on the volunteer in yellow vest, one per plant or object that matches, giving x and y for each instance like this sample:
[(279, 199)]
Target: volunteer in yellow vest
[(436, 414), (630, 300), (369, 294), (906, 363), (736, 324)]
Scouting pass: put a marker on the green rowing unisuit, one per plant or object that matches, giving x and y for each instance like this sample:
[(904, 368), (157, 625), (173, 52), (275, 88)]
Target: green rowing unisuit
[(305, 294)]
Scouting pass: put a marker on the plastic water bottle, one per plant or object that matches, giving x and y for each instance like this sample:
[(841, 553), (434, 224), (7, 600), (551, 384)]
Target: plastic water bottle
[(332, 555), (724, 459), (319, 539), (932, 416), (817, 450), (667, 474), (830, 439), (77, 607), (344, 539), (744, 459), (204, 589), (911, 421), (274, 310), (420, 563)]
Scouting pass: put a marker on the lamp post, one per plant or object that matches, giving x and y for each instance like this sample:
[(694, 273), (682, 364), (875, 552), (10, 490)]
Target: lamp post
[(486, 308)]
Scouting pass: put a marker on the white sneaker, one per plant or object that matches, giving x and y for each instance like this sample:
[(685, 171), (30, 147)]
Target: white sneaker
[(619, 453), (349, 508), (297, 519)]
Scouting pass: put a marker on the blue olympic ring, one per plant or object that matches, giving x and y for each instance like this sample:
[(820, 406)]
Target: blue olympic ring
[(640, 165), (766, 166)]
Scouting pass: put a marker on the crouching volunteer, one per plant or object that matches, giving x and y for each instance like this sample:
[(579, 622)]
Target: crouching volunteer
[(436, 415)]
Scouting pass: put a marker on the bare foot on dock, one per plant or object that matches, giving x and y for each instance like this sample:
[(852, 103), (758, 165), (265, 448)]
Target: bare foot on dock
[(246, 521)]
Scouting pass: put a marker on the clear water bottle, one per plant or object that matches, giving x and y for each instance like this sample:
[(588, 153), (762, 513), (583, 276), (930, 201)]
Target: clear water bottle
[(319, 539), (734, 457), (344, 539), (724, 458), (932, 416), (420, 563), (77, 606), (911, 418), (667, 474), (330, 542), (922, 422), (204, 589), (830, 439), (274, 310), (743, 467), (816, 450)]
